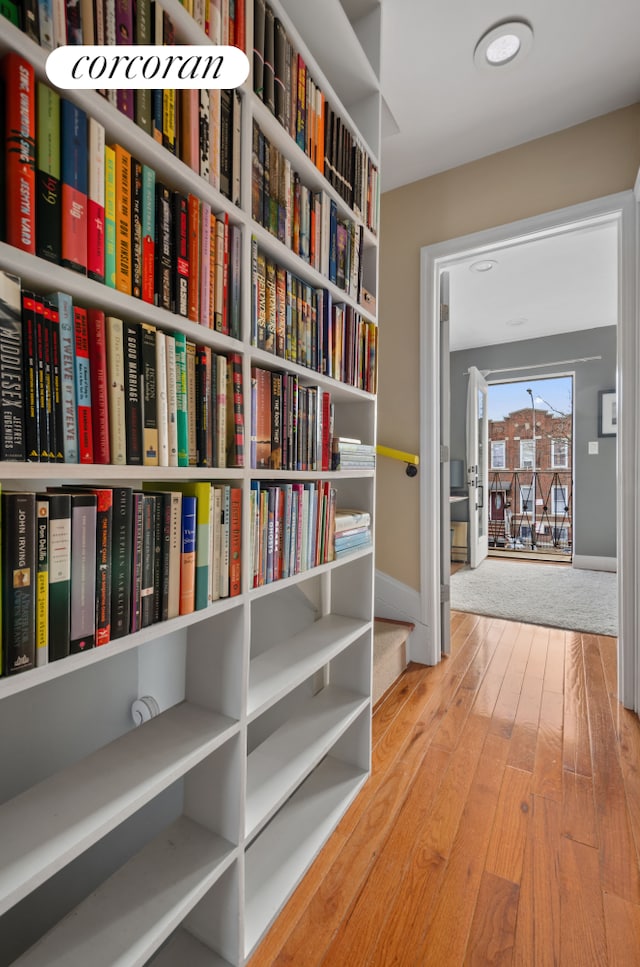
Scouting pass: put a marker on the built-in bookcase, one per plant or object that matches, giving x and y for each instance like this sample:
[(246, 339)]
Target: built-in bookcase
[(178, 841)]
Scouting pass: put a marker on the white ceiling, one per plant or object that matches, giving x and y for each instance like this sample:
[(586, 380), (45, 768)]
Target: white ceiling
[(585, 61), (560, 284)]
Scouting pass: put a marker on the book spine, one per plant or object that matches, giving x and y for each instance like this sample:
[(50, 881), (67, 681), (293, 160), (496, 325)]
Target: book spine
[(235, 260), (235, 538), (83, 572), (48, 381), (149, 395), (181, 400), (42, 581), (67, 376), (160, 576), (104, 540), (99, 385), (163, 295), (161, 399), (203, 404), (12, 437), (136, 228), (136, 560), (205, 266), (181, 254), (237, 454), (225, 542), (148, 560), (74, 187), (59, 575), (83, 386), (116, 391), (45, 20), (123, 219), (148, 232), (95, 211), (20, 174), (48, 186), (192, 446), (204, 134), (56, 386), (142, 96), (30, 360), (125, 37), (121, 549), (19, 564), (172, 400), (110, 217), (188, 555), (193, 302), (175, 551)]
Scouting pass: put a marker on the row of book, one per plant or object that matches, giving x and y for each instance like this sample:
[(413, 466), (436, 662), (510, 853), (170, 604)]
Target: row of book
[(303, 325), (197, 126), (93, 208), (291, 424), (84, 566), (82, 387), (291, 528), (283, 81), (305, 221), (349, 453), (352, 531)]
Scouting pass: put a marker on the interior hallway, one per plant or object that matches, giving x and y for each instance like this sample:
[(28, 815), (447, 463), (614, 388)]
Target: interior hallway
[(501, 823)]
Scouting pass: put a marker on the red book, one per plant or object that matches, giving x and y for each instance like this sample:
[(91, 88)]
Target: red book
[(20, 168), (235, 540), (83, 386), (99, 386), (239, 33), (194, 257)]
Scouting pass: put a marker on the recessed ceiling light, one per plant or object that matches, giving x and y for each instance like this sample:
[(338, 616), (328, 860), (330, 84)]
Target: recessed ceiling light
[(503, 45), (484, 265), (520, 321)]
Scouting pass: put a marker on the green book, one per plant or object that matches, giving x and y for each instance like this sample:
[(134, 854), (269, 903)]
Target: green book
[(181, 399)]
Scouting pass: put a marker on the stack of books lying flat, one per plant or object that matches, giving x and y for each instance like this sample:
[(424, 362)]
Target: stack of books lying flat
[(352, 531), (351, 454)]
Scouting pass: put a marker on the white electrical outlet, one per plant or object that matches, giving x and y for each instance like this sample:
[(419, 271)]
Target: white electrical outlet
[(593, 447)]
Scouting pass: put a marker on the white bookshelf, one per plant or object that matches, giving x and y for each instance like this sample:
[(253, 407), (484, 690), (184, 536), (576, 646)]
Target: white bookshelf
[(184, 837)]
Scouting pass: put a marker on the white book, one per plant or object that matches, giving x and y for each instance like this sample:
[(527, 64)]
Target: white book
[(117, 412), (175, 540), (60, 23), (215, 21), (172, 400), (162, 414), (221, 414), (216, 532), (45, 23)]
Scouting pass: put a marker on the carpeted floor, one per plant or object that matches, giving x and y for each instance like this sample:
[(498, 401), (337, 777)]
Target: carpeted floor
[(546, 594)]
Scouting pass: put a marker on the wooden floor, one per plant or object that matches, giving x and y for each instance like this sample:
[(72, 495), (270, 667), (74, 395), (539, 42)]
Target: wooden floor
[(501, 822)]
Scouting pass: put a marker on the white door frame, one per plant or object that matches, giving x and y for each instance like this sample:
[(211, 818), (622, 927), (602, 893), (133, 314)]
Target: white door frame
[(621, 209)]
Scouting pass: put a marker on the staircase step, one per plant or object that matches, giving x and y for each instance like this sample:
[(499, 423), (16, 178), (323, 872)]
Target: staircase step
[(389, 654)]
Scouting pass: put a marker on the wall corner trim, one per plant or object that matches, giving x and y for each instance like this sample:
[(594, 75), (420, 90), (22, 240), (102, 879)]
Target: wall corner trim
[(592, 562), (398, 601)]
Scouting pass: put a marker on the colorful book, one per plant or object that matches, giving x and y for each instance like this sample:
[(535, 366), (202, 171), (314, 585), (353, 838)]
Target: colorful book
[(75, 185), (121, 554), (117, 401), (83, 386), (96, 203), (148, 233), (149, 395), (42, 581), (30, 362), (19, 564), (188, 555), (123, 219), (20, 168), (48, 185), (99, 386), (110, 216), (12, 437)]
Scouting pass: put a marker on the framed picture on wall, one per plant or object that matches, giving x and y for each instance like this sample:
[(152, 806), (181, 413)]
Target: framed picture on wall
[(607, 413)]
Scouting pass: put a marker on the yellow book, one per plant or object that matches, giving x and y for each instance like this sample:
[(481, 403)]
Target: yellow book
[(123, 219), (42, 581)]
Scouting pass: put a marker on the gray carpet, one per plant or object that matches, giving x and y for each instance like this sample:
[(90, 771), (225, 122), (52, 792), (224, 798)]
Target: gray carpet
[(553, 595)]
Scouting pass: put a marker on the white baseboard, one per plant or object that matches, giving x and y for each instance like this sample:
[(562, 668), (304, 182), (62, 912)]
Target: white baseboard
[(398, 601), (591, 562)]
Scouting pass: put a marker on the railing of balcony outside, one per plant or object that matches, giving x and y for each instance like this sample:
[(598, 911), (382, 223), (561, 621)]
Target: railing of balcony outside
[(531, 511)]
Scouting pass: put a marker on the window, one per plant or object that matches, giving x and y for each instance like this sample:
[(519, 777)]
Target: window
[(527, 504), (498, 454), (525, 532), (560, 535), (527, 450), (559, 501), (559, 453)]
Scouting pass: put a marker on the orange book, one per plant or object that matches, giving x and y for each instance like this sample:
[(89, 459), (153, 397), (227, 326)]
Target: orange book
[(320, 141), (194, 259), (123, 219), (188, 556)]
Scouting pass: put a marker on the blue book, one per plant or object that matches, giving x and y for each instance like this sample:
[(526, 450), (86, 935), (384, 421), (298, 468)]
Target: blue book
[(75, 183), (286, 513), (188, 555), (64, 305)]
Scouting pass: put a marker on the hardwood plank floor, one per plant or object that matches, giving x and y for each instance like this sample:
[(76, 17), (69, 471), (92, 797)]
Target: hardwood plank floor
[(500, 825)]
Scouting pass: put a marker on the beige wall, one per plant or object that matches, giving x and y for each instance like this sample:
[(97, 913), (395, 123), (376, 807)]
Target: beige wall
[(593, 159)]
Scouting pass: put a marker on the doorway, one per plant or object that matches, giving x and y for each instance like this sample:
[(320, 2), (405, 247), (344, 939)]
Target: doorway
[(618, 211)]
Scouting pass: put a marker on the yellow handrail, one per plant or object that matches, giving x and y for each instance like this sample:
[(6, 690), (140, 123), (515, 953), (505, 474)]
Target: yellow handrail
[(401, 455)]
